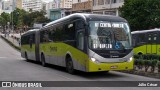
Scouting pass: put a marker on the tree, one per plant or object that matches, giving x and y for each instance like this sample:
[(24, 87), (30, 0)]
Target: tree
[(17, 17), (2, 22), (141, 14), (4, 19), (35, 17)]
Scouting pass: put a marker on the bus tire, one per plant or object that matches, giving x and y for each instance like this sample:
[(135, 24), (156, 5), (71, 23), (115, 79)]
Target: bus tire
[(69, 66), (26, 57), (140, 53), (43, 60)]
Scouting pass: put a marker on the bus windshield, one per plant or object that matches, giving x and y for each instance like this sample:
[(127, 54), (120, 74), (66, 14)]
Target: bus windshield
[(105, 35)]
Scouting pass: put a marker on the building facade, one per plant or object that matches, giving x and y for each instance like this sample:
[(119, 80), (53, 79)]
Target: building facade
[(32, 5), (58, 13), (107, 6), (19, 4), (6, 6), (78, 1), (58, 9), (67, 4), (84, 6)]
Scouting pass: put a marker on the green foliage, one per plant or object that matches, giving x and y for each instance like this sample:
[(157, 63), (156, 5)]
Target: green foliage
[(136, 62), (17, 17), (6, 17), (153, 62), (35, 17), (140, 63), (141, 14), (158, 64), (136, 56), (147, 63), (2, 21), (22, 18), (146, 57)]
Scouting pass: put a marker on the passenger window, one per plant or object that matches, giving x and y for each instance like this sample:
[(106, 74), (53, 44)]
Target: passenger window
[(69, 31), (79, 24), (80, 40)]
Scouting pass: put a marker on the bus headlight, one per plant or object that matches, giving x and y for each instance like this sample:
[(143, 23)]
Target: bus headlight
[(130, 59), (94, 60)]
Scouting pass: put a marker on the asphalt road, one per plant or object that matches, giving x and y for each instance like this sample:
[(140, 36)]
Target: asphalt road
[(15, 68)]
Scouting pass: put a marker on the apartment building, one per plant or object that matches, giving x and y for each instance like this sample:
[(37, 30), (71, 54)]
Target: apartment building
[(55, 4), (82, 6), (58, 9), (6, 6), (19, 4), (107, 6), (32, 5), (78, 1), (66, 4)]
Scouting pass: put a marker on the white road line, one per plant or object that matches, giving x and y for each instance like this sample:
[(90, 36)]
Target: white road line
[(3, 57)]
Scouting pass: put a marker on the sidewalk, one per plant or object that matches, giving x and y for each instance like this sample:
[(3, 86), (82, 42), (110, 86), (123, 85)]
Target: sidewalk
[(13, 38)]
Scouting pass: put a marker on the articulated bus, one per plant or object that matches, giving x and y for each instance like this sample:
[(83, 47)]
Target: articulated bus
[(146, 41), (85, 42)]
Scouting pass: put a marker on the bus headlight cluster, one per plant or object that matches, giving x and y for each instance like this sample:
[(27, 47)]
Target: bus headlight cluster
[(130, 59), (94, 60)]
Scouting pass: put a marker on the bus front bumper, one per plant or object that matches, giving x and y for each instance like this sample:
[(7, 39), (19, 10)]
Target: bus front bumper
[(97, 67)]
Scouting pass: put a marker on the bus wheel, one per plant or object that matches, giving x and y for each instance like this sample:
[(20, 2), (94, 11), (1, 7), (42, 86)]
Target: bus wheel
[(43, 60), (26, 56), (69, 66)]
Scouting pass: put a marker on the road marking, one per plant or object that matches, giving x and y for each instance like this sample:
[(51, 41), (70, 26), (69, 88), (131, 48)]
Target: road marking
[(3, 57)]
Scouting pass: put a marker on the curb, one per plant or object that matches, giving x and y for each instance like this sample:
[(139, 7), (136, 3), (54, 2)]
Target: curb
[(11, 44)]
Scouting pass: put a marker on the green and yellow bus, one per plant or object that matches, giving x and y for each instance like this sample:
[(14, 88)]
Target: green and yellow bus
[(85, 42), (146, 41)]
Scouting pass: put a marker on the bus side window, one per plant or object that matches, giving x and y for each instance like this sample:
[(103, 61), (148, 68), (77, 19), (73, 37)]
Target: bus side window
[(41, 36), (59, 33), (80, 40), (45, 36), (69, 34), (155, 38), (51, 34), (134, 40), (31, 40), (70, 31), (149, 39), (79, 24), (141, 39)]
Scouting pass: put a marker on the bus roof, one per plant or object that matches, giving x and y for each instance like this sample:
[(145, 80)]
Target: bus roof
[(89, 16), (145, 31), (30, 31)]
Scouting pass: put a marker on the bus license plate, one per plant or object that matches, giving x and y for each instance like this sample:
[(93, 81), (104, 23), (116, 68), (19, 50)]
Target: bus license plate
[(114, 67)]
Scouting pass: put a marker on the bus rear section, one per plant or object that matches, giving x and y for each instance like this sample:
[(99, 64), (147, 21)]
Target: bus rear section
[(146, 41), (30, 45)]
